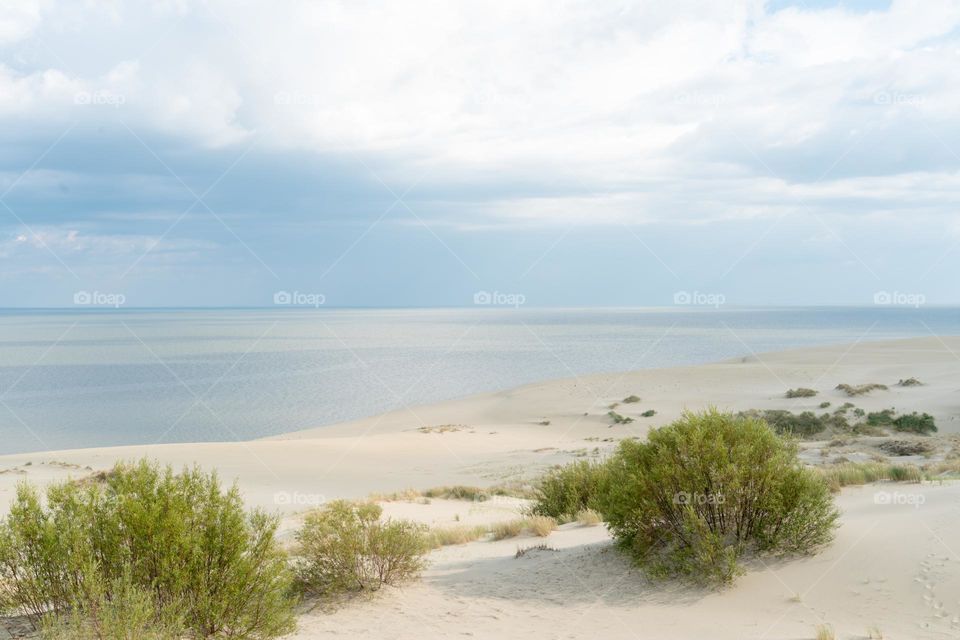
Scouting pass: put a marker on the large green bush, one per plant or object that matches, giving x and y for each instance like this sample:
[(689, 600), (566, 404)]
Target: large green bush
[(346, 546), (565, 491), (703, 491), (168, 547)]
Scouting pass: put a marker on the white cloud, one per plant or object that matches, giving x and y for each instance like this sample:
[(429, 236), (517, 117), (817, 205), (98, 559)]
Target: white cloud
[(647, 111)]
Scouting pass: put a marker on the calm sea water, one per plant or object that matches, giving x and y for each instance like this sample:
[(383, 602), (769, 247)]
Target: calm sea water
[(72, 379)]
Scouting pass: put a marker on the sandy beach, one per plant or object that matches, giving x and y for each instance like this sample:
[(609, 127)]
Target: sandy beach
[(893, 565)]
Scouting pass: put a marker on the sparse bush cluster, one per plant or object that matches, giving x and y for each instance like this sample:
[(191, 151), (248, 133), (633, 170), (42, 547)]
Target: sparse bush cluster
[(801, 392), (347, 546), (699, 494), (618, 418), (145, 553), (801, 425)]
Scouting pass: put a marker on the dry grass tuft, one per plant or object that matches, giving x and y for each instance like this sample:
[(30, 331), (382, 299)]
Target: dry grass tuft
[(861, 389), (825, 632), (507, 529), (447, 536), (541, 526), (589, 517)]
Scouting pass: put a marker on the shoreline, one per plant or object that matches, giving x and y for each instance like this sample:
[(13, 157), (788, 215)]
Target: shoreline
[(498, 436)]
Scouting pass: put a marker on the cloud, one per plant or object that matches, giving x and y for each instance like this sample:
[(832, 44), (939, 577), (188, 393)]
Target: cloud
[(529, 115)]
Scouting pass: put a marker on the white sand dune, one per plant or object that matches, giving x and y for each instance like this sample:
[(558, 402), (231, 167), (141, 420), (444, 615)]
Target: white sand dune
[(892, 564)]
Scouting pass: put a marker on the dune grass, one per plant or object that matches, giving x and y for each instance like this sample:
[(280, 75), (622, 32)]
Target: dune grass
[(859, 473), (588, 518), (460, 534), (824, 632)]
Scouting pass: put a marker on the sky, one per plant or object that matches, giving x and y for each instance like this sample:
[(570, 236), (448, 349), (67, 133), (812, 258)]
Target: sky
[(565, 153)]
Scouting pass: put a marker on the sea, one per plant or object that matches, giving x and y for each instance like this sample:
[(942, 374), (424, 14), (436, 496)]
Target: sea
[(104, 377)]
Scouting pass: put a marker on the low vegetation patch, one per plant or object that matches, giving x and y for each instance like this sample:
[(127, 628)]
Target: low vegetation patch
[(541, 526), (619, 419), (346, 546), (144, 553), (906, 447), (909, 382), (522, 551), (589, 518), (861, 389), (508, 529), (915, 423), (565, 491), (802, 425), (854, 473), (649, 413), (461, 534), (631, 399), (709, 488), (801, 392)]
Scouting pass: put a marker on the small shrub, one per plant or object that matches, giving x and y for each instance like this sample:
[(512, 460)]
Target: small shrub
[(801, 392), (881, 418), (825, 404), (145, 547), (347, 547), (631, 399), (803, 425), (565, 491), (541, 526), (909, 382), (589, 518), (862, 389), (507, 529), (649, 413), (915, 423), (708, 488), (544, 423), (619, 419)]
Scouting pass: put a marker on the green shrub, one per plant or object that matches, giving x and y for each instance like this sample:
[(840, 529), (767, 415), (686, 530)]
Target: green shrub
[(619, 419), (347, 547), (824, 405), (802, 425), (915, 423), (631, 399), (565, 491), (145, 533), (649, 413), (801, 392), (881, 418), (708, 488), (862, 389)]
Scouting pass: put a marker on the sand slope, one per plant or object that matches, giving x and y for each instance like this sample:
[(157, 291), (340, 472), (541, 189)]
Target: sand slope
[(891, 566)]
